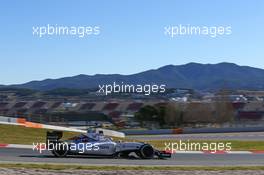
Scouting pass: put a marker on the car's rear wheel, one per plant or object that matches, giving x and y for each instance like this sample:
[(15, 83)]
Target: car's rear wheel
[(146, 152), (61, 149)]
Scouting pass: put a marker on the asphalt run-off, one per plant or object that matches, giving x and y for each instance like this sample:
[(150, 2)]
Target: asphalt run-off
[(18, 155)]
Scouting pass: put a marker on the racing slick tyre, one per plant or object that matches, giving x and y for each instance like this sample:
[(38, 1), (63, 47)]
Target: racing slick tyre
[(146, 151), (60, 149)]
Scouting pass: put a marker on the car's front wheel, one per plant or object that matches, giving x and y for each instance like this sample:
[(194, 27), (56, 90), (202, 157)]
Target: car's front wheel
[(146, 151)]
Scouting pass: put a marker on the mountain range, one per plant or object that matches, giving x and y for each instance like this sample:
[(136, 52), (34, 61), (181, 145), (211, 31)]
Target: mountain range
[(192, 75)]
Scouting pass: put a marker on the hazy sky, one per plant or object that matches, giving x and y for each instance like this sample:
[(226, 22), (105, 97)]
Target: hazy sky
[(131, 36)]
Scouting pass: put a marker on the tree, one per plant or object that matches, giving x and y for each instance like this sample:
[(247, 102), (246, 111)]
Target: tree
[(173, 114), (198, 113), (224, 111), (170, 114), (146, 113)]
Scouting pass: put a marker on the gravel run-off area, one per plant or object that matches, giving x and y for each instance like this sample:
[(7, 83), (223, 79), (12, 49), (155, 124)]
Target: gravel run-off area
[(24, 171)]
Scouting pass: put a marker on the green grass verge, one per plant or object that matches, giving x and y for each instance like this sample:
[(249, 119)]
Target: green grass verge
[(12, 134), (110, 168), (22, 135), (236, 145)]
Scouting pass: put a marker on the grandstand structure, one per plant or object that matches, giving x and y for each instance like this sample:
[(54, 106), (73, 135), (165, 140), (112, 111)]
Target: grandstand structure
[(120, 112)]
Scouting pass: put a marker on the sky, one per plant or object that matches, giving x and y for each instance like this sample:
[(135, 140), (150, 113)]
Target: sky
[(131, 36)]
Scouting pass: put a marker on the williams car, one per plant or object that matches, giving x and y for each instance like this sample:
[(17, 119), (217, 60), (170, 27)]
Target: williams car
[(97, 144)]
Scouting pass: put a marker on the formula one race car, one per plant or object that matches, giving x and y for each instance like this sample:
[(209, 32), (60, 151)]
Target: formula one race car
[(97, 145)]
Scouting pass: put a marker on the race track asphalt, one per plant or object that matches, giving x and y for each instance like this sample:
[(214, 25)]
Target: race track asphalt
[(12, 155)]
